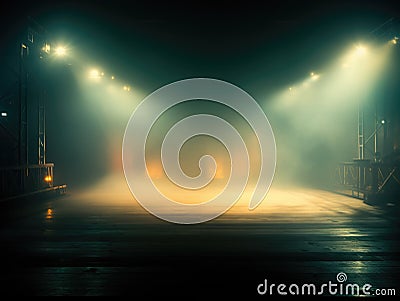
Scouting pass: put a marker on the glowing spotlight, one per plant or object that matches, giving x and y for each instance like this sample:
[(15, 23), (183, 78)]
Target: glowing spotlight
[(112, 77), (47, 179), (314, 76), (46, 48), (394, 41), (127, 88), (49, 213), (4, 114), (60, 51), (95, 74), (383, 121), (360, 50)]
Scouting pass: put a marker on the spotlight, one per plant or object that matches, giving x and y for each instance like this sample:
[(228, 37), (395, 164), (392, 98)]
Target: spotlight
[(46, 48), (394, 41), (360, 50), (383, 121), (314, 76), (4, 114), (95, 74), (60, 51), (127, 88)]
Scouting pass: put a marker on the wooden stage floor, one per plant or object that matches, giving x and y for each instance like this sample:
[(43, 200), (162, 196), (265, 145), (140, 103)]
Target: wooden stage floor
[(100, 242)]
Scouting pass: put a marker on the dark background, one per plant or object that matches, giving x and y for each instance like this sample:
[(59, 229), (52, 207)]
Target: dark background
[(259, 47)]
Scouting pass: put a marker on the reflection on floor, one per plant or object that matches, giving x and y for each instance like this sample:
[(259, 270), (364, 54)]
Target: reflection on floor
[(101, 242)]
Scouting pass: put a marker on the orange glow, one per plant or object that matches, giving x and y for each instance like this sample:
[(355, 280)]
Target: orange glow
[(49, 213), (219, 174), (283, 204), (154, 170), (296, 203), (47, 179)]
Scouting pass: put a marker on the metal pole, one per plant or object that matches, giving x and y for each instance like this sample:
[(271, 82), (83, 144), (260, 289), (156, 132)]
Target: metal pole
[(26, 123), (20, 105), (360, 141), (376, 134), (23, 158), (42, 129)]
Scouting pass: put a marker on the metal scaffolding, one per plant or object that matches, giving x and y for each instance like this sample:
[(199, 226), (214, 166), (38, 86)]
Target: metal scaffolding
[(42, 129), (368, 176), (23, 148), (25, 173)]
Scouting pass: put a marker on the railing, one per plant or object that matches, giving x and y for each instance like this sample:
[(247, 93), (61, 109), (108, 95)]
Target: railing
[(354, 177), (22, 179), (366, 179)]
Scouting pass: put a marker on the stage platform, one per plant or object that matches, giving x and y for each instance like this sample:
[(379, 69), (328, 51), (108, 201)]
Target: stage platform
[(101, 242)]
